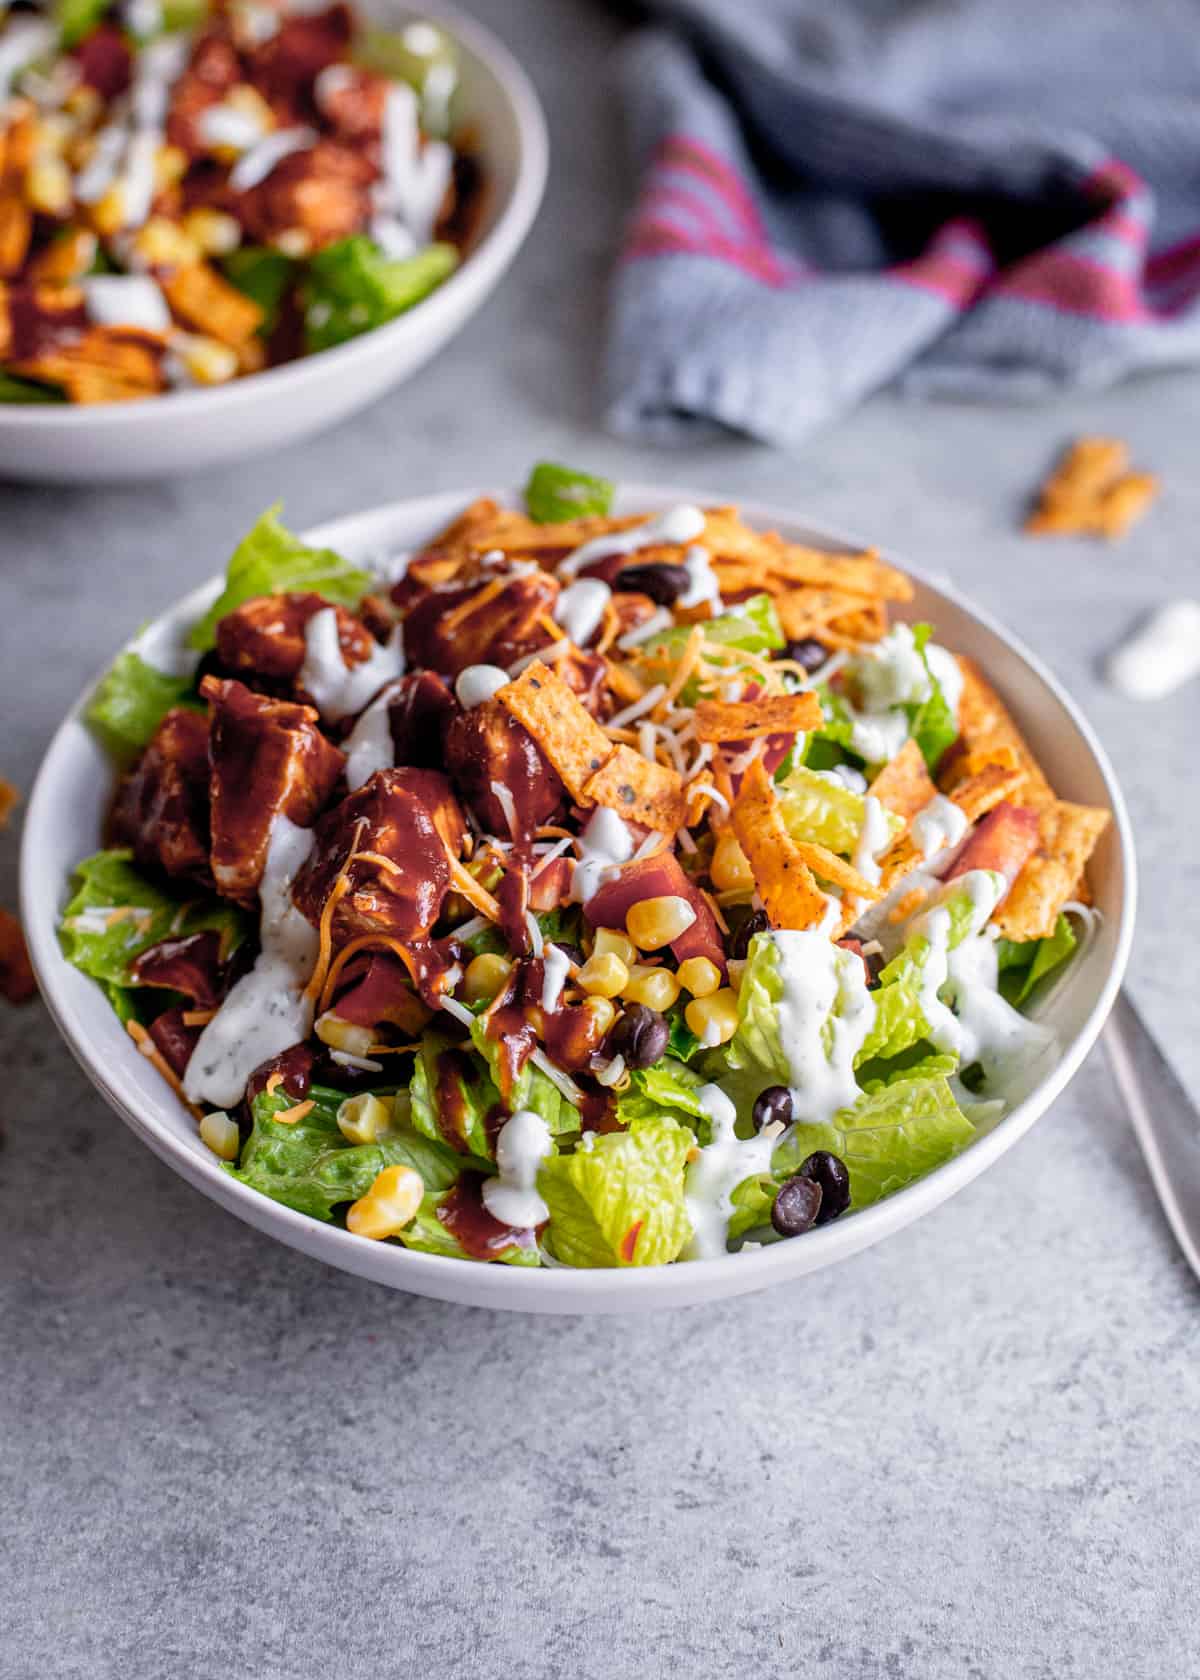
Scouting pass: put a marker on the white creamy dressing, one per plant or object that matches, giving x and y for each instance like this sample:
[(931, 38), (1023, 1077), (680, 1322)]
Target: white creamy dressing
[(1161, 655), (604, 846), (340, 690), (369, 746), (94, 180), (702, 581), (255, 24), (712, 1178), (415, 174), (253, 167), (230, 127), (877, 736), (844, 775), (677, 525), (977, 1024), (825, 1015), (523, 1144), (556, 966), (392, 237), (126, 300), (24, 40), (478, 683), (874, 838), (660, 619), (580, 608), (330, 82), (889, 676), (266, 1012), (938, 825), (143, 17), (125, 151)]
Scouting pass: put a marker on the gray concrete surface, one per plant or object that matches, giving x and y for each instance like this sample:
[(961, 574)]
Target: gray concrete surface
[(970, 1452)]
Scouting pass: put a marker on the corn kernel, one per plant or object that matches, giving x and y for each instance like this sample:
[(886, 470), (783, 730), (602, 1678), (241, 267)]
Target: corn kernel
[(108, 215), (343, 1035), (730, 868), (213, 231), (657, 921), (485, 977), (53, 131), (207, 361), (164, 243), (604, 975), (603, 1013), (361, 1119), (48, 185), (170, 166), (248, 102), (657, 988), (293, 242), (388, 1206), (607, 943), (84, 103), (699, 976), (713, 1019), (221, 1135)]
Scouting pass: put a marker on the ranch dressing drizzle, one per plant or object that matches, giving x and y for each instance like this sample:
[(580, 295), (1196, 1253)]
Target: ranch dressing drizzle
[(339, 690), (253, 167), (677, 525), (719, 1168), (523, 1143), (874, 838), (369, 746), (825, 1014), (604, 846), (938, 825), (1161, 655), (126, 300), (580, 608), (266, 1012), (416, 174), (477, 684), (25, 40), (556, 966), (889, 676)]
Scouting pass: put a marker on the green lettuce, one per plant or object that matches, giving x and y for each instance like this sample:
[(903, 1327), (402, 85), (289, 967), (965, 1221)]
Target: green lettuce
[(932, 723), (468, 1091), (427, 1235), (752, 626), (351, 287), (131, 701), (668, 1085), (554, 493), (264, 275), (14, 390), (826, 812), (77, 18), (891, 1137), (828, 746), (1024, 964), (531, 1089), (756, 1047), (270, 560), (109, 881), (620, 1202), (391, 55), (752, 1201)]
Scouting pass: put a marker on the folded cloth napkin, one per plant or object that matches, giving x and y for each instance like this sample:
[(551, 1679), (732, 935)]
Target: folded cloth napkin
[(981, 198)]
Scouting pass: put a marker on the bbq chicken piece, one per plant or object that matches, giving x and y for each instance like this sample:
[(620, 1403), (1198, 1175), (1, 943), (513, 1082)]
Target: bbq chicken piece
[(268, 758), (406, 818), (287, 63), (488, 750), (212, 72), (265, 636), (494, 621), (323, 192), (161, 808)]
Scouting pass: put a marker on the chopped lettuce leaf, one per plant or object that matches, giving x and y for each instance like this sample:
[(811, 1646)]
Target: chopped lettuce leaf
[(756, 1047), (826, 811), (264, 275), (668, 1085), (683, 1043), (554, 493), (1023, 964), (932, 724), (427, 1235), (620, 1202), (270, 560), (131, 701), (899, 1022), (531, 1089), (752, 626), (14, 390), (116, 914), (453, 1095), (919, 1060), (830, 745), (77, 18), (392, 54), (894, 1135), (752, 1201), (351, 287)]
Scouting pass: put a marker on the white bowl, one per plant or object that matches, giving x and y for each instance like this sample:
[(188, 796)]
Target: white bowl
[(64, 822), (184, 431)]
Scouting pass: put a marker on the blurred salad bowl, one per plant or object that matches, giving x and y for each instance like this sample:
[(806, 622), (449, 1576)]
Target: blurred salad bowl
[(66, 820), (413, 296)]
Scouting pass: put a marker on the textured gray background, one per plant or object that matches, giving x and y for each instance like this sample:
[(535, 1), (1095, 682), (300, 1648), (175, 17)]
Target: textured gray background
[(969, 1452)]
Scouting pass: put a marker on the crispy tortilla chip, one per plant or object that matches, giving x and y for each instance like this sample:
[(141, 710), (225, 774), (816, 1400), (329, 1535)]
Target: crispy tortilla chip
[(975, 797), (986, 728), (206, 301), (638, 791), (16, 231), (17, 984), (1124, 503), (66, 259), (563, 728), (838, 619), (461, 535), (105, 364), (854, 574), (1092, 493), (785, 883), (904, 785), (1048, 881), (746, 720), (828, 866)]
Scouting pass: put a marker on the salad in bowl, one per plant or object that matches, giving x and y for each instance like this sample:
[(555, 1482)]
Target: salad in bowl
[(577, 890)]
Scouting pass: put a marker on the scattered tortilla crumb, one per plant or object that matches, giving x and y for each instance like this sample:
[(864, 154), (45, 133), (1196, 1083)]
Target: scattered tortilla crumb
[(1092, 492)]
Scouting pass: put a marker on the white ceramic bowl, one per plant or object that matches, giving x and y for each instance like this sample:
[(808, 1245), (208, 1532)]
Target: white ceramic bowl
[(64, 822), (184, 431)]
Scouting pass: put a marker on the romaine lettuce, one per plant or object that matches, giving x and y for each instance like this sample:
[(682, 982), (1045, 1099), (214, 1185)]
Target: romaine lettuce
[(620, 1201), (555, 493), (665, 1091), (932, 724), (14, 390), (270, 560), (351, 287), (77, 18), (452, 1095), (1024, 964), (264, 275), (826, 811), (131, 701)]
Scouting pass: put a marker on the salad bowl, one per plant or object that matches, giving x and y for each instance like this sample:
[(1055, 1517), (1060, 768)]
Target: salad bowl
[(65, 821), (190, 429)]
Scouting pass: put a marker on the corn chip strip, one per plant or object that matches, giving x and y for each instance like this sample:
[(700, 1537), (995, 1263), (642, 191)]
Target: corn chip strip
[(747, 720), (975, 797), (1092, 493), (832, 616), (986, 729), (638, 791), (904, 785), (562, 727), (206, 301), (1050, 878), (785, 883)]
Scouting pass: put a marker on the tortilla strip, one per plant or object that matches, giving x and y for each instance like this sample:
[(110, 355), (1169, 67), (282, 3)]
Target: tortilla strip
[(638, 791), (986, 727), (833, 617), (206, 301), (1048, 881), (828, 866), (856, 574), (563, 728), (904, 785), (975, 797), (785, 883), (1091, 492), (16, 231), (747, 720), (105, 364)]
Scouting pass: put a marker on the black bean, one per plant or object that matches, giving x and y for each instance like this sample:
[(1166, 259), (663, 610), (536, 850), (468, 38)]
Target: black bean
[(739, 944), (828, 1171), (775, 1103), (641, 1036), (808, 652), (663, 582), (797, 1207)]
